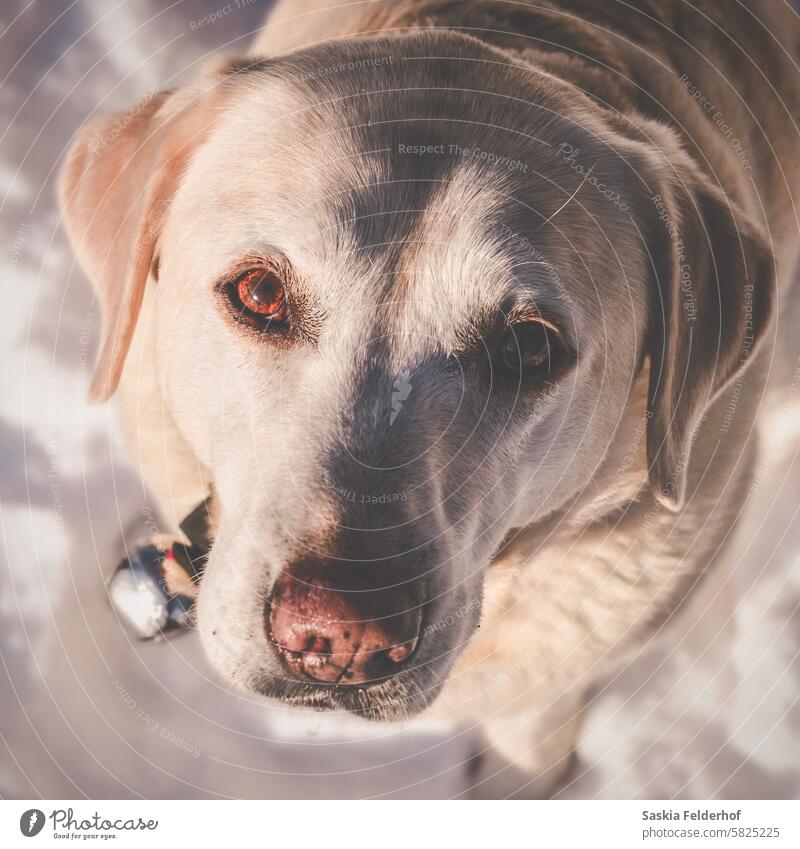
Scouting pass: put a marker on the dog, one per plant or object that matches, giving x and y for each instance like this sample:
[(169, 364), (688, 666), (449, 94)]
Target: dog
[(463, 313)]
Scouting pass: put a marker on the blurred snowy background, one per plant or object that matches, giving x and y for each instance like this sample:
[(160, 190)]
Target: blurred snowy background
[(86, 712)]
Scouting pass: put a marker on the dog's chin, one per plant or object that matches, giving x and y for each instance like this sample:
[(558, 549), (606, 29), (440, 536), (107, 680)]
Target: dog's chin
[(392, 700)]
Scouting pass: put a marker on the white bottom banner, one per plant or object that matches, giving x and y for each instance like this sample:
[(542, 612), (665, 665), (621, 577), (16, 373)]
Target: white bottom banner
[(387, 824)]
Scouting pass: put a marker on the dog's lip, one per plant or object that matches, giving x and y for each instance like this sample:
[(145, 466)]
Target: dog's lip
[(330, 697)]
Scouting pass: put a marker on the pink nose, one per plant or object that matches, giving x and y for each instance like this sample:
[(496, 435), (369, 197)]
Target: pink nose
[(330, 627)]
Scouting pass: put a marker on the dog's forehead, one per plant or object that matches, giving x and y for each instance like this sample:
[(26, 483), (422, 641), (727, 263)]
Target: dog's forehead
[(399, 211), (406, 233), (455, 266)]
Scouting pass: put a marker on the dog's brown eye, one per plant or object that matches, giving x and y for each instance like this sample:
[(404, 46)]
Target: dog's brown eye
[(257, 298), (528, 344), (260, 292)]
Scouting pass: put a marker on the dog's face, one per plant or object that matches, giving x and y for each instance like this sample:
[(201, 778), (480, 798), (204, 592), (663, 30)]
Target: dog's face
[(403, 294)]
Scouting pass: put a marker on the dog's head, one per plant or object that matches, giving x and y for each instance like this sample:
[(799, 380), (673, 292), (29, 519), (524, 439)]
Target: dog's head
[(404, 290)]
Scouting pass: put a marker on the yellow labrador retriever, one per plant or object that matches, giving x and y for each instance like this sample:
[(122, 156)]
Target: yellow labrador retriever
[(462, 312)]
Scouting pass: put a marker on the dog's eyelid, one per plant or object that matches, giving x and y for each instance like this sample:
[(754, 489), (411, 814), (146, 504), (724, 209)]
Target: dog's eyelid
[(534, 320), (530, 313), (270, 258), (555, 317)]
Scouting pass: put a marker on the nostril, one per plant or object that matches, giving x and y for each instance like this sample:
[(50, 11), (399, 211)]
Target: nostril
[(298, 641), (374, 662), (316, 653), (399, 654), (317, 645)]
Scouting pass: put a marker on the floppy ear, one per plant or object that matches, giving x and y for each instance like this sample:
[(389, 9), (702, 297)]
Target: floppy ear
[(711, 304), (115, 189)]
